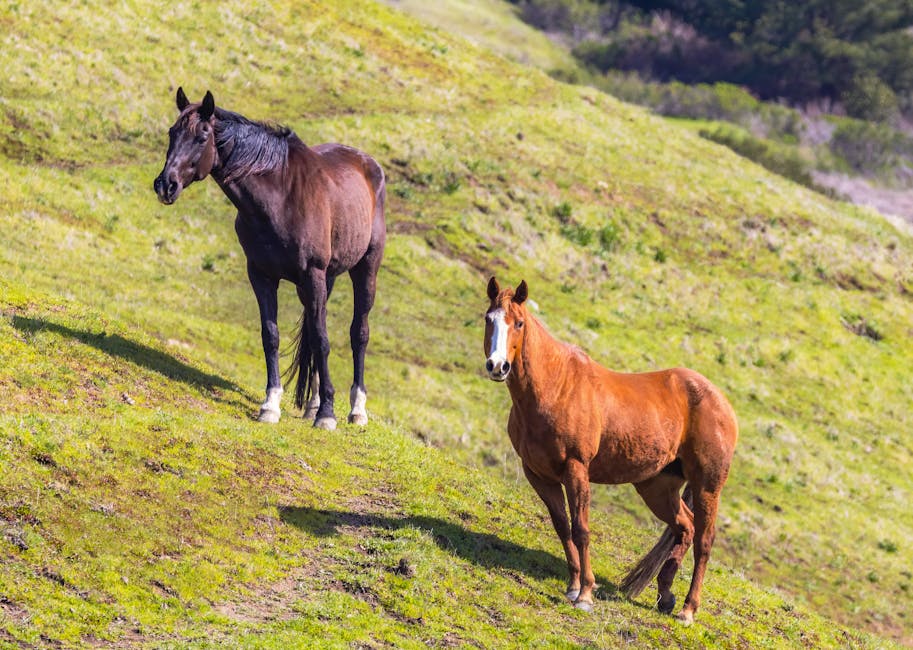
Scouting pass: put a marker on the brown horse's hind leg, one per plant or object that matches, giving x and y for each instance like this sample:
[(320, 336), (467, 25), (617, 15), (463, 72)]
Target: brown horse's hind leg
[(706, 502), (552, 495), (661, 494)]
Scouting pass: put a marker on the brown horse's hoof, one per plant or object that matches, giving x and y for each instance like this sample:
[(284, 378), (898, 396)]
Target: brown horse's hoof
[(666, 606), (584, 606), (572, 594), (328, 424), (685, 617)]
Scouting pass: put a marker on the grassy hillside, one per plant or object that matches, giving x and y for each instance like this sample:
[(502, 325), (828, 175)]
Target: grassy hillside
[(141, 505)]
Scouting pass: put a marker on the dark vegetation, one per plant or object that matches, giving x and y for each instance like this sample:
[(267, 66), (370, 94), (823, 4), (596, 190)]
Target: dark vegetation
[(815, 87), (852, 52)]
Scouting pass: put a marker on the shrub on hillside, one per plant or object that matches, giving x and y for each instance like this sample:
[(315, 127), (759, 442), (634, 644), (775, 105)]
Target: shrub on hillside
[(869, 98), (872, 149), (719, 101), (781, 160)]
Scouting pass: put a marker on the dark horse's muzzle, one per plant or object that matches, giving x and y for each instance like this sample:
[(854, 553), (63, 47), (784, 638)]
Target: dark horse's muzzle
[(166, 189)]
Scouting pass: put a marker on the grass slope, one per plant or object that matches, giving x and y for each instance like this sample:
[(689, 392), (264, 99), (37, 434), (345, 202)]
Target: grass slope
[(141, 505)]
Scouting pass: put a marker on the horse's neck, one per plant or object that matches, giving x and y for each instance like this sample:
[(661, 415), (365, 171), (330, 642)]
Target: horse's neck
[(542, 364)]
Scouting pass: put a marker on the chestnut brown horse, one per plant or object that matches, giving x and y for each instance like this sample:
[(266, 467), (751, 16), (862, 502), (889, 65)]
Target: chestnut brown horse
[(574, 422), (305, 215)]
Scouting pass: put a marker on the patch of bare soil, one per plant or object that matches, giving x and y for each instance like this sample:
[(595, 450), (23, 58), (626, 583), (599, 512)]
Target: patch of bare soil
[(271, 602), (890, 202)]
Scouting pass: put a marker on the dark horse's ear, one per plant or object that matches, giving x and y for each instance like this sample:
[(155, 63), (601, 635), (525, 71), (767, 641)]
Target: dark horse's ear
[(208, 107), (493, 288), (182, 99), (521, 293)]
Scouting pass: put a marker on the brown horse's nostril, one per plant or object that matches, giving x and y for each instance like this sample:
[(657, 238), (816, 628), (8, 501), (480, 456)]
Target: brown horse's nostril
[(489, 366), (505, 368)]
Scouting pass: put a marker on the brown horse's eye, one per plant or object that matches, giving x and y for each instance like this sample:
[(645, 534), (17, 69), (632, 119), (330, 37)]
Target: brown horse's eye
[(518, 324)]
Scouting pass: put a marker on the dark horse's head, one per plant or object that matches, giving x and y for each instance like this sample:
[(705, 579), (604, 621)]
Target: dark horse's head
[(191, 147)]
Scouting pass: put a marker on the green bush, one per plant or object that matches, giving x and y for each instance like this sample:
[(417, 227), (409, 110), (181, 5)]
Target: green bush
[(869, 98), (719, 101), (781, 160)]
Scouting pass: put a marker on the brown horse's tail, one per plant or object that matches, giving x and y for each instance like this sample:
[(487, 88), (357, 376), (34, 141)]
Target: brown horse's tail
[(650, 564), (303, 364)]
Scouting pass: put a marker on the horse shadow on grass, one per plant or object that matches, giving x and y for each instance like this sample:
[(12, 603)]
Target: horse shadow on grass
[(483, 549), (115, 345)]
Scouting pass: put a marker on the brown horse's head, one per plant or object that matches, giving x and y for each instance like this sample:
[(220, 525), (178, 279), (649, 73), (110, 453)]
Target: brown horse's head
[(191, 148), (503, 328)]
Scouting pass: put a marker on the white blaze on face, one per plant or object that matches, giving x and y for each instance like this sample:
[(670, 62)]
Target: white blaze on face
[(497, 351)]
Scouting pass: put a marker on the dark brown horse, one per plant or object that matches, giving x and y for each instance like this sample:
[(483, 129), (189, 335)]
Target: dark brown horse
[(306, 215), (573, 422)]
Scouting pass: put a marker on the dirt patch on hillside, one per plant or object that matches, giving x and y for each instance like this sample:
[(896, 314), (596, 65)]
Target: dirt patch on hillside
[(890, 202)]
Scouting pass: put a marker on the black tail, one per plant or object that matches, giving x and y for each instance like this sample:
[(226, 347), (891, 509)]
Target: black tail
[(650, 564), (303, 364)]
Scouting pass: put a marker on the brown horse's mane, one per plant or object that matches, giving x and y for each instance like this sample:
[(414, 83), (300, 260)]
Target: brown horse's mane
[(247, 147)]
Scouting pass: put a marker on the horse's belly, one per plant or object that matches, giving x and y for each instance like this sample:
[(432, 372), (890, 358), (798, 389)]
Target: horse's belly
[(630, 463)]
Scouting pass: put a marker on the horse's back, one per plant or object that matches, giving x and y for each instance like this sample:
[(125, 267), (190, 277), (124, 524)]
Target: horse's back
[(652, 418), (343, 160), (348, 186)]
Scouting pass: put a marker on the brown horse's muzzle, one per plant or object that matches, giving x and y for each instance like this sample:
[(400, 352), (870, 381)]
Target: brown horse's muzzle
[(497, 370)]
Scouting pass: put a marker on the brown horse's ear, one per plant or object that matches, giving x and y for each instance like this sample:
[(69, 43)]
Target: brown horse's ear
[(208, 107), (521, 293), (493, 288), (182, 100)]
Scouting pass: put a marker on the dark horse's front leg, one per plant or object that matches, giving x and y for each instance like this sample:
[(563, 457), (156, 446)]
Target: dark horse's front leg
[(313, 294), (266, 289)]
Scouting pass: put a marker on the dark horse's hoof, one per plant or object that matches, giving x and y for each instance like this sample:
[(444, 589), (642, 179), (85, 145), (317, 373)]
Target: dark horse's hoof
[(665, 606)]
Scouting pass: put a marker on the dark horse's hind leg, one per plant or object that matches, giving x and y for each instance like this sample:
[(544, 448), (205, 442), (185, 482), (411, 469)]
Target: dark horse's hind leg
[(364, 286), (265, 288), (313, 404), (314, 296)]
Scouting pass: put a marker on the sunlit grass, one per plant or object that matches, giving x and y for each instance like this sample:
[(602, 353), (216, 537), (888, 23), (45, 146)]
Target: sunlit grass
[(141, 503)]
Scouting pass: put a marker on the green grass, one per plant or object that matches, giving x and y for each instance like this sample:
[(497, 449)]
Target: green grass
[(141, 505)]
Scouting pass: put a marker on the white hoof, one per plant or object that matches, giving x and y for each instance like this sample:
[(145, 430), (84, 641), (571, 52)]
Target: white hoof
[(584, 606), (357, 400), (269, 410), (572, 594), (358, 418), (328, 424), (310, 412), (685, 617), (269, 416)]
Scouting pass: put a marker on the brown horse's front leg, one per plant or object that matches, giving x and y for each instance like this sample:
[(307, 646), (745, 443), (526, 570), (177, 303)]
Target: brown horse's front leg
[(577, 484), (552, 495)]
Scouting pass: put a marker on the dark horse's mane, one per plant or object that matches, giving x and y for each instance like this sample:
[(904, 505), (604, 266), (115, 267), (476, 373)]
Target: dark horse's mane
[(250, 147)]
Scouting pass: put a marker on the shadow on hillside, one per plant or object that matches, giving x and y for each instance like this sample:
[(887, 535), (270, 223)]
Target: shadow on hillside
[(483, 549), (141, 355)]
